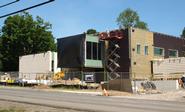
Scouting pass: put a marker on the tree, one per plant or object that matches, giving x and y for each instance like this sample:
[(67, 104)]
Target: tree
[(1, 65), (183, 33), (22, 35), (91, 31), (130, 18), (141, 25)]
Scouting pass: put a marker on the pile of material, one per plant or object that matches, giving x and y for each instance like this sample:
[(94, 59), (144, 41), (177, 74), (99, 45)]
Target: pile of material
[(74, 81), (148, 87)]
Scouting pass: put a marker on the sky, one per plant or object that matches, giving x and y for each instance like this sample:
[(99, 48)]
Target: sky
[(71, 17)]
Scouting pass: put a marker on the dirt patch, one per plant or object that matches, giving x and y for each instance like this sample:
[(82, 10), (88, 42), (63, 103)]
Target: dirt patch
[(118, 93), (178, 95), (41, 87)]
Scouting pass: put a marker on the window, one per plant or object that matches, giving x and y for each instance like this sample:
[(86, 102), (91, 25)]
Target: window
[(138, 49), (172, 53), (93, 50), (88, 50), (99, 51), (158, 51), (146, 50)]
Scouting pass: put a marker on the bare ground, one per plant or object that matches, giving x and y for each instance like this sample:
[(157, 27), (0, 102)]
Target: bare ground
[(178, 95)]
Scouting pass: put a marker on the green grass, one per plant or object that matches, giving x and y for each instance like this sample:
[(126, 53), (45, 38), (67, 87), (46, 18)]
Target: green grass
[(12, 109)]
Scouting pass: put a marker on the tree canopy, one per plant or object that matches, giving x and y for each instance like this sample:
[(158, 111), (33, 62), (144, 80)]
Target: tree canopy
[(183, 33), (130, 18), (22, 35), (91, 31)]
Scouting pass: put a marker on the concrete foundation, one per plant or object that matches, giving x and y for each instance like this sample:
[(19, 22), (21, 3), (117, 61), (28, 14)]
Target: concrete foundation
[(161, 85)]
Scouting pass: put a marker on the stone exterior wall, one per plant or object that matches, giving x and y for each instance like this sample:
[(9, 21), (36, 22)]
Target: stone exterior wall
[(140, 63)]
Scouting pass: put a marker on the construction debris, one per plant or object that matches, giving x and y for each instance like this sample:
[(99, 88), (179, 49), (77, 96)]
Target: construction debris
[(148, 87)]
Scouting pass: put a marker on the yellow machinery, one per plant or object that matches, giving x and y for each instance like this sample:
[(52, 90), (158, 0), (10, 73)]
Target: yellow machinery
[(58, 75), (6, 78)]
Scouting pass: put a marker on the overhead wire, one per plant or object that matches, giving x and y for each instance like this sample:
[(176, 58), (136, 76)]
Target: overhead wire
[(22, 10), (9, 3)]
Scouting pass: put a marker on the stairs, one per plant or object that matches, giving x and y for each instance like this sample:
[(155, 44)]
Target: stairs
[(112, 61)]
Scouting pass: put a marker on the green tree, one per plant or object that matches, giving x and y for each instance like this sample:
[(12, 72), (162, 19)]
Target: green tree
[(141, 25), (22, 35), (1, 65), (183, 33), (91, 31), (130, 18)]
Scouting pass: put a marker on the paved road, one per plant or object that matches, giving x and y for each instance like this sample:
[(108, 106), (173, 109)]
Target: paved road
[(87, 102)]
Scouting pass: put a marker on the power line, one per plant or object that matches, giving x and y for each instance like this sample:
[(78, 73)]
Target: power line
[(9, 3), (22, 10)]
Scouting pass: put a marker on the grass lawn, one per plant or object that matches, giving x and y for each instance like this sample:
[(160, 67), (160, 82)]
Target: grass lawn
[(12, 109)]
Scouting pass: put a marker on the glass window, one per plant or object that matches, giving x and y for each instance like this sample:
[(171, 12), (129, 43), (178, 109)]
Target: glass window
[(99, 51), (172, 53), (88, 50), (158, 51), (138, 49), (95, 51), (146, 50)]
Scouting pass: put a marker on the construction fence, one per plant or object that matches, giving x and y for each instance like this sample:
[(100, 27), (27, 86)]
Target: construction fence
[(125, 81), (121, 81)]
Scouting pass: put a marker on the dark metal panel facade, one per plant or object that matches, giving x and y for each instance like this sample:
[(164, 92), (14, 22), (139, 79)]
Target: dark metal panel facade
[(71, 51), (124, 60), (169, 42)]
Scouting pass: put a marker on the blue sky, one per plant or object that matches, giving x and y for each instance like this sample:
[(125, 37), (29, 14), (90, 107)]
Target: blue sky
[(70, 17)]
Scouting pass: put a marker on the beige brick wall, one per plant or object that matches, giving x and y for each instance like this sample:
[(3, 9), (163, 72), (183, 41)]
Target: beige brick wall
[(140, 63)]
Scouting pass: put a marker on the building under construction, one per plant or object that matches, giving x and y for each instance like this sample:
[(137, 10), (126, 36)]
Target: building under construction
[(82, 54), (128, 54)]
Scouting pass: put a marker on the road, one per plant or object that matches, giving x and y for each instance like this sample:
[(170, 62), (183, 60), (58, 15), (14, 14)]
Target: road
[(89, 103)]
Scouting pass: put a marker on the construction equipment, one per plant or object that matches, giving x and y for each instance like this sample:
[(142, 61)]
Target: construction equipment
[(6, 78), (58, 75)]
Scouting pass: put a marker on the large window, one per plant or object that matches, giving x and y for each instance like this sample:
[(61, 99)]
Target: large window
[(99, 51), (146, 50), (173, 53), (138, 49), (158, 51), (88, 50), (93, 50)]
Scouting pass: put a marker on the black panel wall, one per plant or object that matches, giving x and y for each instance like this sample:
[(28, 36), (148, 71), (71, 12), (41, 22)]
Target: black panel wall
[(71, 51), (124, 60), (169, 42)]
